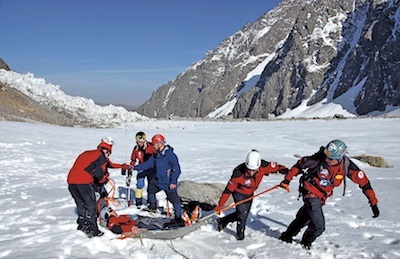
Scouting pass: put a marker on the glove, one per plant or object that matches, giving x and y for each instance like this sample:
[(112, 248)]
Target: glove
[(375, 210), (218, 209), (285, 185), (123, 172), (125, 167)]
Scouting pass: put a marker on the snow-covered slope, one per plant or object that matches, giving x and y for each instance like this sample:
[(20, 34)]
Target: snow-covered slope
[(37, 218), (52, 96)]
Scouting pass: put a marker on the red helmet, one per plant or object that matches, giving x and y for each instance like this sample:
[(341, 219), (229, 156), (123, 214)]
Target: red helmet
[(158, 138)]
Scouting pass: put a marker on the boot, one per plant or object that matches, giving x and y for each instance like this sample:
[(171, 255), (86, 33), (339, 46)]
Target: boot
[(187, 219), (240, 231), (139, 202), (81, 223), (221, 223), (240, 234), (151, 208), (196, 214), (93, 231), (306, 246), (175, 223), (285, 237)]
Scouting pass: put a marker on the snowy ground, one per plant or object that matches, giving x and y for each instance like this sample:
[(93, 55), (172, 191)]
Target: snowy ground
[(37, 218)]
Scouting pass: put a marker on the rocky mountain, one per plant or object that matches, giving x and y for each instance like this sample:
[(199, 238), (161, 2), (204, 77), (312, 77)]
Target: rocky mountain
[(327, 51)]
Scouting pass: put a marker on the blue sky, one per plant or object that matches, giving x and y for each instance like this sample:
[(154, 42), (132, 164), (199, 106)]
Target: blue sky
[(116, 51)]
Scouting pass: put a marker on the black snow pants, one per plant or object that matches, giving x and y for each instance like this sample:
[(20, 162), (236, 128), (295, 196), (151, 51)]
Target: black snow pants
[(310, 214), (241, 214), (85, 199)]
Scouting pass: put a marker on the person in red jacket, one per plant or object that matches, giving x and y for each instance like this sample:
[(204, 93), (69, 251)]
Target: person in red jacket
[(322, 172), (141, 153), (245, 179), (90, 168)]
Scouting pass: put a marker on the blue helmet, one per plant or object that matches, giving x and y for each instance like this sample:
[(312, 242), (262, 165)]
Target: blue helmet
[(336, 149)]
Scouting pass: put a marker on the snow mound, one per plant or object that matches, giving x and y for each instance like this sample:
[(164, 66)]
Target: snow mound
[(51, 95)]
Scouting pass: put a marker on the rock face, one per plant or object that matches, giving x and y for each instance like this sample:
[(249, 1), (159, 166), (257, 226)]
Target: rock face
[(3, 65), (216, 79), (343, 51), (15, 106)]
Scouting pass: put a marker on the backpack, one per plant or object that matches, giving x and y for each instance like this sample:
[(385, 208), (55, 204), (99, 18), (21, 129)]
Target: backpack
[(312, 164)]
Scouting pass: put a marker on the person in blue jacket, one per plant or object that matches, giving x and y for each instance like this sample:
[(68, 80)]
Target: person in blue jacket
[(168, 170)]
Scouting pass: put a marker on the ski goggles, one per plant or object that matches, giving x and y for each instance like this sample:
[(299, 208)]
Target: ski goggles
[(141, 138)]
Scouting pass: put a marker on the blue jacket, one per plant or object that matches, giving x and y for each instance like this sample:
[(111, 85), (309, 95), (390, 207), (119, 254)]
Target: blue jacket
[(166, 165)]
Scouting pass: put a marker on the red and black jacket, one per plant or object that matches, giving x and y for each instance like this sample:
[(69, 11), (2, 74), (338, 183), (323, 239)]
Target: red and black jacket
[(324, 178), (241, 181), (142, 154), (89, 167)]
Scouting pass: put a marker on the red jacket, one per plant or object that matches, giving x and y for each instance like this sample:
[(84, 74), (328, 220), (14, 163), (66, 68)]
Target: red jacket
[(241, 181), (325, 178), (142, 154), (120, 224), (88, 167)]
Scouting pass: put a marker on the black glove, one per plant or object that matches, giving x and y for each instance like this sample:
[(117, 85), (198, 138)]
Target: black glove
[(375, 210), (123, 172)]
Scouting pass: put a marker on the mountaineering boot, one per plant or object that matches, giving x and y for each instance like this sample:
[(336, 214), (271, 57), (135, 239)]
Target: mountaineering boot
[(139, 202), (81, 223), (240, 234), (187, 219), (175, 223), (151, 208), (306, 246), (196, 214), (240, 231), (285, 237), (221, 223), (93, 231)]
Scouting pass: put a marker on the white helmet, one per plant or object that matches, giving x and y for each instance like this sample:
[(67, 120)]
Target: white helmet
[(108, 140), (253, 160)]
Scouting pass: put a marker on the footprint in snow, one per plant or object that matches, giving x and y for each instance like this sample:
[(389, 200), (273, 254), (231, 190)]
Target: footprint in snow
[(392, 241), (368, 236)]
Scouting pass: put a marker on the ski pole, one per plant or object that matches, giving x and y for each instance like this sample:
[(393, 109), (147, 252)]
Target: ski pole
[(241, 202)]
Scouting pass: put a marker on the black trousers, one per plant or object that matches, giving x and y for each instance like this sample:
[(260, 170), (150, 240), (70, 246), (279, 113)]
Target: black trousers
[(310, 214), (241, 213), (85, 199)]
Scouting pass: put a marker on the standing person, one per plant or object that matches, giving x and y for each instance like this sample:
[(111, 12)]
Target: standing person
[(89, 168), (141, 153), (100, 183), (167, 167), (245, 179), (322, 172)]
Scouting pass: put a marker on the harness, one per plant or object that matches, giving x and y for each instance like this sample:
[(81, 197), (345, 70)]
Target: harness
[(310, 172)]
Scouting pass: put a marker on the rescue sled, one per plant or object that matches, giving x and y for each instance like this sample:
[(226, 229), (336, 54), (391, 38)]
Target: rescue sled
[(171, 233)]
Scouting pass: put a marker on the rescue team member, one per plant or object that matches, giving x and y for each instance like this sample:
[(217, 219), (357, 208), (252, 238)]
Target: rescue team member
[(245, 179), (142, 151), (165, 162), (325, 170), (90, 168)]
